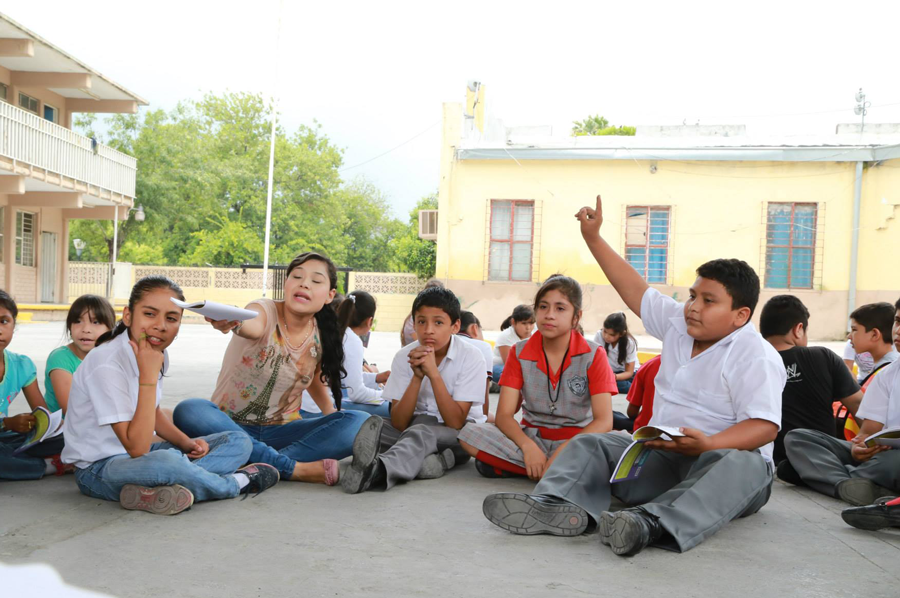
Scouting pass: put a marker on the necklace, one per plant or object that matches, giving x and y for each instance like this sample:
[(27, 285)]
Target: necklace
[(550, 396), (287, 338)]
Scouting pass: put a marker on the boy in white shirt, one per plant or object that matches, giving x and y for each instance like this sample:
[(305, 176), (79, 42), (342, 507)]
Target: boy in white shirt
[(436, 386), (848, 470), (720, 382)]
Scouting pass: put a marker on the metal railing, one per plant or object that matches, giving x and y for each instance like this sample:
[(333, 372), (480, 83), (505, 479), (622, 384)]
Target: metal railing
[(32, 140)]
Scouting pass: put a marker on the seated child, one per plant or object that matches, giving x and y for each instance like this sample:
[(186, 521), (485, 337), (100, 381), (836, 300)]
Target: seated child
[(291, 346), (620, 347), (562, 382), (470, 330), (816, 377), (863, 361), (89, 317), (849, 470), (18, 374), (640, 395), (719, 381), (870, 332), (517, 327), (436, 385), (113, 412)]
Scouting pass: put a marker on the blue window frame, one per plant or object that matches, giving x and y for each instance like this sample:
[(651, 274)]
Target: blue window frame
[(647, 241), (791, 245)]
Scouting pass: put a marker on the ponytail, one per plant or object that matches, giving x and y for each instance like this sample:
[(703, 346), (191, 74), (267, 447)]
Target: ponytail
[(141, 288), (618, 324), (356, 308), (522, 313)]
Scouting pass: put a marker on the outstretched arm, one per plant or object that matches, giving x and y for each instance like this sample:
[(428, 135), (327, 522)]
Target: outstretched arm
[(625, 279)]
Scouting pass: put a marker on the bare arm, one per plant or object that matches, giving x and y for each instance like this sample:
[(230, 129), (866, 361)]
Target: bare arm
[(321, 394), (252, 329), (746, 435), (852, 402), (504, 352), (633, 411), (33, 396), (137, 435), (628, 373), (62, 384), (169, 432), (625, 279)]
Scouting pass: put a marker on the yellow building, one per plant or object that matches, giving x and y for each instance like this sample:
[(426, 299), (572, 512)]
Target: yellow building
[(48, 173), (674, 197)]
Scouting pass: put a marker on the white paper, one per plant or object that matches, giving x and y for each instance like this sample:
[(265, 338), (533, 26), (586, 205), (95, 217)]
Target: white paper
[(217, 311)]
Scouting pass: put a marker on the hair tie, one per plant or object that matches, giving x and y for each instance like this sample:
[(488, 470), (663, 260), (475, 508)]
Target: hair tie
[(352, 298)]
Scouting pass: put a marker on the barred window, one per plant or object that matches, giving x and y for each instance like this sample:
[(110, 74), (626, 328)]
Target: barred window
[(647, 241), (512, 240), (25, 239), (791, 245)]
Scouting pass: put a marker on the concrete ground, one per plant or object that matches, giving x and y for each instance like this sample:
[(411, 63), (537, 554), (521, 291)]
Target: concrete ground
[(425, 538)]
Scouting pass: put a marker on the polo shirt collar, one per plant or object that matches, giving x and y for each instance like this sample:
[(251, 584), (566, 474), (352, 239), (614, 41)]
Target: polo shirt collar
[(534, 351)]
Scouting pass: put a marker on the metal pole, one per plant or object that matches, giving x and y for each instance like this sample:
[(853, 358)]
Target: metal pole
[(272, 156), (112, 272), (854, 243)]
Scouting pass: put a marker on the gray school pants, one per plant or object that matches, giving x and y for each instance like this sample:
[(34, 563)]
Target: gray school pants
[(692, 496), (402, 453), (822, 461)]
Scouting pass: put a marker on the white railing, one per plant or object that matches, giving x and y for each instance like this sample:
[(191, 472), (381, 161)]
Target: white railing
[(32, 140)]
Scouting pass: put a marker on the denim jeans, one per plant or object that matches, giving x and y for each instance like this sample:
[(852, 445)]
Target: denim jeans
[(208, 478), (383, 410), (497, 372), (624, 385), (282, 446), (18, 467)]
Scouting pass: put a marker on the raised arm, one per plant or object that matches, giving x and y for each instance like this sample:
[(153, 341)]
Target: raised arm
[(625, 279)]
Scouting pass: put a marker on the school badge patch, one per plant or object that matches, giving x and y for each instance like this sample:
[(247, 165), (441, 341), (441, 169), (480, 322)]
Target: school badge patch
[(578, 385)]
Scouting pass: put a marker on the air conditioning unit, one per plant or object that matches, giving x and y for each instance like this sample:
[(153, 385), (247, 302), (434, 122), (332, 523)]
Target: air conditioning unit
[(428, 223)]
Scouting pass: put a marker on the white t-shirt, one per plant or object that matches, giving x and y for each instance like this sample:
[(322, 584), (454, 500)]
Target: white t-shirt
[(612, 353), (104, 392), (462, 370), (740, 377), (881, 402), (507, 338), (486, 351), (360, 386)]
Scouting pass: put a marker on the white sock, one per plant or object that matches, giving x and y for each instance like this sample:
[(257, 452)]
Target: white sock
[(242, 480), (49, 467)]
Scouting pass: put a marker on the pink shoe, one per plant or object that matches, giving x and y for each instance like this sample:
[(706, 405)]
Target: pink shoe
[(159, 500), (332, 472)]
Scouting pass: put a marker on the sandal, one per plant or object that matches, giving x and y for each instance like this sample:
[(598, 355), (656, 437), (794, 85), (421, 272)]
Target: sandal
[(332, 471)]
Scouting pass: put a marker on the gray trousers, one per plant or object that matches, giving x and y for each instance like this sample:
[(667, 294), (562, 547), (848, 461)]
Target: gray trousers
[(822, 461), (402, 453), (692, 496)]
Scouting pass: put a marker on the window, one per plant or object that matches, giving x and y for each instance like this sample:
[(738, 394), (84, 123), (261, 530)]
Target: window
[(647, 241), (791, 245), (51, 114), (25, 239), (512, 238), (4, 91), (28, 103)]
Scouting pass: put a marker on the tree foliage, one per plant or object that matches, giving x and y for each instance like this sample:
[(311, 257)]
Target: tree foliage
[(418, 255), (598, 125)]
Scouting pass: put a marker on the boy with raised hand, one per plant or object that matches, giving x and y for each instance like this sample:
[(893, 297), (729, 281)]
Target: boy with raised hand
[(719, 381), (849, 470), (437, 384), (816, 376)]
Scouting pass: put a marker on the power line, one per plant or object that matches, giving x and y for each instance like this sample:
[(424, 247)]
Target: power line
[(396, 147)]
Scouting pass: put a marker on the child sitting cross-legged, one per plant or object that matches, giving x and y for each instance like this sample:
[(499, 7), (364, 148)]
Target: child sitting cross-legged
[(719, 382), (563, 383), (436, 385)]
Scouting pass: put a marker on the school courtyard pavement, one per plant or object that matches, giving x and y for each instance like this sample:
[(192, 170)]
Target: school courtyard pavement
[(428, 538)]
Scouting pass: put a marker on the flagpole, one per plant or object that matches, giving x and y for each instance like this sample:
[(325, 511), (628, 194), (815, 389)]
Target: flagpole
[(265, 280)]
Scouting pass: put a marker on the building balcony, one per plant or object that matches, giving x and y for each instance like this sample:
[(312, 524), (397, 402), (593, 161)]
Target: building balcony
[(44, 151)]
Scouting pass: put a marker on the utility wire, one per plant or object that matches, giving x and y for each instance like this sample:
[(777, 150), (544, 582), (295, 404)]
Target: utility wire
[(396, 147)]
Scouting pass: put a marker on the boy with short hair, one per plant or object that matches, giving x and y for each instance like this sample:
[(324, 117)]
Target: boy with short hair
[(816, 376), (437, 384), (718, 379), (849, 470), (870, 332)]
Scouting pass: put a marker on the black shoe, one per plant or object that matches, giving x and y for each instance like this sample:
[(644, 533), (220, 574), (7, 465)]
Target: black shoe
[(489, 471), (358, 477), (873, 517), (786, 473), (629, 531), (262, 477), (529, 515)]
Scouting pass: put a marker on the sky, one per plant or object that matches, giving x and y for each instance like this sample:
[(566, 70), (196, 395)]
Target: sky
[(375, 74)]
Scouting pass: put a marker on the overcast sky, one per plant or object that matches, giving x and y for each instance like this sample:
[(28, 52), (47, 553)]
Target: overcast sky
[(375, 74)]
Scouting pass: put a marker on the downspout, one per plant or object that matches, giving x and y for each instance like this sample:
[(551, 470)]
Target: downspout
[(854, 243)]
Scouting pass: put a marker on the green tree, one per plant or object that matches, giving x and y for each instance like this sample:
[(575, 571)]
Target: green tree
[(415, 254), (598, 125)]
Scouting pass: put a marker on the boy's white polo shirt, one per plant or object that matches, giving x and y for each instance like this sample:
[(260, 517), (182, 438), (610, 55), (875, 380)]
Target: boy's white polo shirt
[(740, 377), (104, 392), (463, 373), (881, 402)]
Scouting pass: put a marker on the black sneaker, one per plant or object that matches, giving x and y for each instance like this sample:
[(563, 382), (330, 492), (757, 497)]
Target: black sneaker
[(873, 517), (262, 477), (489, 471), (359, 476), (528, 515), (786, 473), (859, 491), (629, 531)]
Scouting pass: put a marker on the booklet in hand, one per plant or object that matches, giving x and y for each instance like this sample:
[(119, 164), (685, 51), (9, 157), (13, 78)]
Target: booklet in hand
[(632, 460), (48, 425), (887, 437), (217, 311)]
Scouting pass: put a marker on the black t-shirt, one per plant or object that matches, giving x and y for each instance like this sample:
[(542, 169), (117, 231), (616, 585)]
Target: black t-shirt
[(816, 377)]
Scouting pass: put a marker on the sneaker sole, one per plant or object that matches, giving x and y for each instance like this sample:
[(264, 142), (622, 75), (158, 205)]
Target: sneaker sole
[(159, 500), (522, 515), (367, 443), (860, 492), (619, 533), (869, 519)]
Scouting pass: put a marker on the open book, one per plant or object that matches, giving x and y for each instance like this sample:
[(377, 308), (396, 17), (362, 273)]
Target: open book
[(47, 426), (632, 460), (887, 436), (217, 311)]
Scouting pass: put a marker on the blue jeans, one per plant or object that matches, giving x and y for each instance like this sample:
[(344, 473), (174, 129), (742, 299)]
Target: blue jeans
[(282, 446), (497, 372), (207, 478), (383, 410), (624, 385), (18, 467)]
